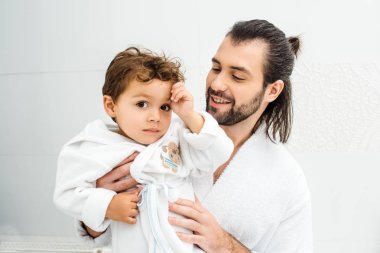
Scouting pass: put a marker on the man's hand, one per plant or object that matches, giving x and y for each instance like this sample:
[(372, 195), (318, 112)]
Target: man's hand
[(119, 179), (207, 233)]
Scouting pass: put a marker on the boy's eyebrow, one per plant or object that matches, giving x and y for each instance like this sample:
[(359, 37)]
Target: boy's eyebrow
[(144, 95), (141, 95), (242, 69)]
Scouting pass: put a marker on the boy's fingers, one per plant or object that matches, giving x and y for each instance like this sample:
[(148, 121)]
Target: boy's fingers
[(130, 220), (180, 95)]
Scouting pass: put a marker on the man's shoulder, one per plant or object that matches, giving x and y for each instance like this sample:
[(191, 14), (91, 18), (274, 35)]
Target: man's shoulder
[(270, 150), (271, 160), (288, 171)]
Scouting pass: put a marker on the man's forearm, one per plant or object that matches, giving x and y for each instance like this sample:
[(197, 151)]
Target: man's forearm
[(91, 232), (234, 245)]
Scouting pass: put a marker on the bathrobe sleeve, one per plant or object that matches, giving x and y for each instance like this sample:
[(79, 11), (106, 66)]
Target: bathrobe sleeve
[(203, 153), (102, 240), (79, 166)]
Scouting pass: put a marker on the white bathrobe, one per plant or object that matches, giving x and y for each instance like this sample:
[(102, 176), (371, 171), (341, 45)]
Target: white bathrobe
[(164, 168), (262, 199)]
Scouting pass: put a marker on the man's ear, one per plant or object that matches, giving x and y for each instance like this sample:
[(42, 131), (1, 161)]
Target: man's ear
[(109, 106), (273, 90)]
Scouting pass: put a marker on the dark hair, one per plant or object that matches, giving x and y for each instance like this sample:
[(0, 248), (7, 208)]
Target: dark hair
[(141, 65), (278, 65)]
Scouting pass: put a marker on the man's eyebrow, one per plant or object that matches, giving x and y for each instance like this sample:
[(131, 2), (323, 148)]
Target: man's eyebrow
[(214, 60), (242, 69)]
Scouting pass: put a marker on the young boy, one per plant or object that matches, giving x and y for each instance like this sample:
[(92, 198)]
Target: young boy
[(140, 92)]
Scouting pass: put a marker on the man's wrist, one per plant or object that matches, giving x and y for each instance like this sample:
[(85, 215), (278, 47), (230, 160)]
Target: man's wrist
[(90, 232), (232, 245), (229, 243)]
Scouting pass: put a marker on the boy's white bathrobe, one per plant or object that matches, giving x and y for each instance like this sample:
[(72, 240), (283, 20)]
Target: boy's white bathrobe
[(164, 168), (262, 199)]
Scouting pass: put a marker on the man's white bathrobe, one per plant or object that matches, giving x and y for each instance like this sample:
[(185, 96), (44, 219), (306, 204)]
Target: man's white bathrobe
[(164, 168), (262, 199)]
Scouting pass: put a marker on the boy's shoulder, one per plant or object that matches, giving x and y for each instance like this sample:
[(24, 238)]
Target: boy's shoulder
[(100, 132)]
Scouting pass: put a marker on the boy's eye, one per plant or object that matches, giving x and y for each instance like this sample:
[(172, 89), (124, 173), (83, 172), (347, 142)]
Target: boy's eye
[(142, 104), (165, 107)]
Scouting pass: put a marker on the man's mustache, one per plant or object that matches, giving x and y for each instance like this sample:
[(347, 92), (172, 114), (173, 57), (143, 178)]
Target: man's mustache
[(220, 94)]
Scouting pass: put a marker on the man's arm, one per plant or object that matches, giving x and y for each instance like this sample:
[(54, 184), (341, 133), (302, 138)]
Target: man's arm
[(207, 233)]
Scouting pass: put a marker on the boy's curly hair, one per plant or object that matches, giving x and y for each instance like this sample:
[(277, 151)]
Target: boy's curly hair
[(139, 64)]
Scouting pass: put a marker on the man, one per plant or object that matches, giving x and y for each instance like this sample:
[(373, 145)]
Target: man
[(259, 200)]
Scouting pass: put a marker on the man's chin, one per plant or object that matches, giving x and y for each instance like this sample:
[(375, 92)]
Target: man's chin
[(218, 116)]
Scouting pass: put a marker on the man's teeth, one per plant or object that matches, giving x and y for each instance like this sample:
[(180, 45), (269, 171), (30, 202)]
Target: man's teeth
[(220, 100)]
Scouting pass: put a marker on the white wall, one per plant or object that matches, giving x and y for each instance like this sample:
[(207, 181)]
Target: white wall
[(53, 56)]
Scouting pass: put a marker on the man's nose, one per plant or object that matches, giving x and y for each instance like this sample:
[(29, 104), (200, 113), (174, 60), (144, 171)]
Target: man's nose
[(218, 83)]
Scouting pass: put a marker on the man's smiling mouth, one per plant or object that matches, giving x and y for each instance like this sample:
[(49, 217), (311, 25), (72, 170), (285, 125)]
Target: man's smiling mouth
[(219, 100)]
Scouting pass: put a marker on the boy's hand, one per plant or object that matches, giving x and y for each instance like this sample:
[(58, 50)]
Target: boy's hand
[(182, 101), (123, 207), (183, 105)]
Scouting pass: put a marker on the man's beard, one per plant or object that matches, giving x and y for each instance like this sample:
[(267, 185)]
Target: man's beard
[(235, 114)]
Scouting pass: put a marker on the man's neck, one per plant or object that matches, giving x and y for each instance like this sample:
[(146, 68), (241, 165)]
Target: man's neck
[(240, 132)]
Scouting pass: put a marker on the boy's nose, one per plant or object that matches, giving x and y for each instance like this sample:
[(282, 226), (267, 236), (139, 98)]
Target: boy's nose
[(154, 116)]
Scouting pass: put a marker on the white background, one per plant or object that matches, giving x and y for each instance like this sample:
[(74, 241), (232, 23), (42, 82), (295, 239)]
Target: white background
[(53, 57)]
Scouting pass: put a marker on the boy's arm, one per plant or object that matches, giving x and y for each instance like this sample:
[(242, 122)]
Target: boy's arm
[(119, 180), (75, 191), (208, 149), (206, 145), (183, 105)]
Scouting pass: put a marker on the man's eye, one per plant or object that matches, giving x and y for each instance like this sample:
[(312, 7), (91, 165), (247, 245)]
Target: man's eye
[(216, 70), (237, 78), (165, 107), (142, 104)]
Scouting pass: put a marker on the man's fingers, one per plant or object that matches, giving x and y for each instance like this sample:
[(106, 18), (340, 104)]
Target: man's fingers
[(119, 186), (120, 171), (114, 175), (186, 211), (193, 204), (191, 238), (117, 179), (124, 184), (129, 158), (187, 223)]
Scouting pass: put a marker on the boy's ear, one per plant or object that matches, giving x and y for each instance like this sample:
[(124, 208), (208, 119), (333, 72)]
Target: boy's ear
[(273, 90), (109, 106)]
